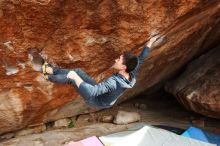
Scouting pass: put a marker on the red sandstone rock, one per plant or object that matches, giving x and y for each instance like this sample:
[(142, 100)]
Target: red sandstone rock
[(90, 35), (198, 87)]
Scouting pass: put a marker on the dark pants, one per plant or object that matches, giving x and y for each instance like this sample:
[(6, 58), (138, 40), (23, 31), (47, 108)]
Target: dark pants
[(60, 76)]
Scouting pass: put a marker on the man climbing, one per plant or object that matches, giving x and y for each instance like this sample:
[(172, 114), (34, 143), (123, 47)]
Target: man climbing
[(106, 93)]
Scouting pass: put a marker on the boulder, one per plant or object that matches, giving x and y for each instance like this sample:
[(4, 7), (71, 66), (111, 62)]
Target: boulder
[(62, 123), (124, 117), (198, 87), (90, 35)]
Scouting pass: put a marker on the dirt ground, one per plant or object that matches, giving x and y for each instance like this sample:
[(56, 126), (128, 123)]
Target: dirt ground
[(158, 109)]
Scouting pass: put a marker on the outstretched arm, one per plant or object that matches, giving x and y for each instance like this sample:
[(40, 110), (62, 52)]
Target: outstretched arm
[(145, 52), (141, 59)]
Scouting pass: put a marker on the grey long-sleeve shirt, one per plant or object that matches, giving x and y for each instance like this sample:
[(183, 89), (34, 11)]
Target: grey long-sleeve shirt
[(106, 93)]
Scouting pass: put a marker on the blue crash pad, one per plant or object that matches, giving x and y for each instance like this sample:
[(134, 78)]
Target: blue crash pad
[(202, 135)]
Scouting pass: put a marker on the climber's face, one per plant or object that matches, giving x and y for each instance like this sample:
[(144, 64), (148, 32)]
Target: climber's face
[(119, 63)]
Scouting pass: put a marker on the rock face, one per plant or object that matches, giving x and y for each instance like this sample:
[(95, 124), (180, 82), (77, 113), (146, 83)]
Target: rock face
[(90, 35), (198, 87)]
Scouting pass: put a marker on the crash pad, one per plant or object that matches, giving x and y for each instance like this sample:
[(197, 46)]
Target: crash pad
[(151, 136), (91, 141), (202, 135)]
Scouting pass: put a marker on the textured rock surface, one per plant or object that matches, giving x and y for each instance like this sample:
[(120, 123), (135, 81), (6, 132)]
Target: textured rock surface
[(32, 130), (198, 88), (107, 119), (90, 34)]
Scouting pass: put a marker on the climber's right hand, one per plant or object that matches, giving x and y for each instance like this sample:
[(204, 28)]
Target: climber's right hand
[(149, 44), (155, 42)]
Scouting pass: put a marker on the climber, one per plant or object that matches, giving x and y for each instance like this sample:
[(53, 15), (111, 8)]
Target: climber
[(103, 94)]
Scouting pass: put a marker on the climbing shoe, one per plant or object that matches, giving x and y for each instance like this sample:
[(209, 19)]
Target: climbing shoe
[(44, 66)]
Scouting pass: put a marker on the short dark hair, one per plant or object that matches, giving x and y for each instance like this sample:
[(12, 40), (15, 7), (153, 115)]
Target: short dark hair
[(130, 61)]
